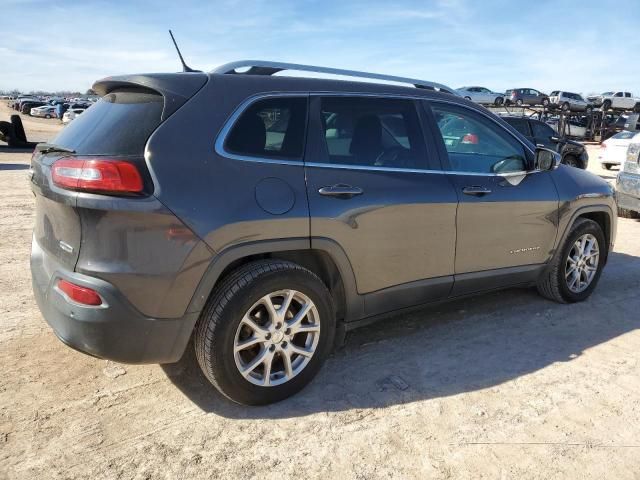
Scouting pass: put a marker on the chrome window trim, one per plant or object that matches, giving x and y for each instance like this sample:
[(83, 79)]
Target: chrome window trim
[(230, 122)]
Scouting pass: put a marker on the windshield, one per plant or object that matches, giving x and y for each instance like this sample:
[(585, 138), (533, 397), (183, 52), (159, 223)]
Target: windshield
[(607, 93), (624, 135)]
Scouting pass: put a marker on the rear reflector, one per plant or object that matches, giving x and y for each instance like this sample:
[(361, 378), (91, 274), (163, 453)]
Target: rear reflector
[(78, 294), (93, 175)]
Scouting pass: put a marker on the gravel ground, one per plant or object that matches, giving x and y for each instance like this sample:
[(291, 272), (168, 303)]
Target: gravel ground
[(506, 385)]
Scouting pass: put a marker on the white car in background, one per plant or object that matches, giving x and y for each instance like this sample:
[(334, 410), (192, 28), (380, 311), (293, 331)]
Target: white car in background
[(613, 151), (481, 95), (71, 114), (45, 111)]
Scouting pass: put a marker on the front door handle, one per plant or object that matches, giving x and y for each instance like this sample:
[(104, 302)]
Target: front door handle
[(340, 191), (476, 190)]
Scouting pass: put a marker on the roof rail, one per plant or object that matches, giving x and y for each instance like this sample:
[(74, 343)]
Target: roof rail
[(261, 67)]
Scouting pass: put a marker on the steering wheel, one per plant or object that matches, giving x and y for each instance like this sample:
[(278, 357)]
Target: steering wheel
[(508, 164)]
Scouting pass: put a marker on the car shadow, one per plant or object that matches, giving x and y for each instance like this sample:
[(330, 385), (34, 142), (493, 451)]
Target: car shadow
[(14, 166), (446, 349)]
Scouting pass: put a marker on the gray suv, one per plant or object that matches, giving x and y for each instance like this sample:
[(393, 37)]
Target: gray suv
[(525, 96), (260, 217)]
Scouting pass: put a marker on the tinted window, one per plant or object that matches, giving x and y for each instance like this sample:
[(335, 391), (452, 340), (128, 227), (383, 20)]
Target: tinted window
[(554, 93), (542, 130), (372, 132), (272, 127), (520, 124), (118, 124), (477, 144)]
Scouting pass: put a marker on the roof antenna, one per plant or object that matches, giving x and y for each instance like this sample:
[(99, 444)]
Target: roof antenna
[(185, 67)]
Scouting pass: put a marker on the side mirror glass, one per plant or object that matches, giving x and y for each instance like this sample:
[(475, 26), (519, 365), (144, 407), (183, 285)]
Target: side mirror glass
[(546, 159)]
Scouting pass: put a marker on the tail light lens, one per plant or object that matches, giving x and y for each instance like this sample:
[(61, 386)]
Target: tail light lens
[(82, 295), (97, 175)]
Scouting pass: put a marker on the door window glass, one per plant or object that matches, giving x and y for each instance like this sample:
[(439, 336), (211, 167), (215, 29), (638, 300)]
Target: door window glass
[(542, 130), (475, 143), (374, 132)]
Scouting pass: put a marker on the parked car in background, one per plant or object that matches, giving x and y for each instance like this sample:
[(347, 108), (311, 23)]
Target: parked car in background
[(573, 153), (318, 247), (616, 101), (613, 151), (526, 96), (71, 114), (45, 111), (568, 101), (481, 95), (25, 107), (628, 181)]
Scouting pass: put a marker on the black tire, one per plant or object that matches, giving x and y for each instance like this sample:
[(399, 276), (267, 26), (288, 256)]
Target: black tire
[(519, 102), (589, 109), (606, 105), (498, 101), (18, 129), (545, 102), (552, 283), (217, 326), (571, 161), (6, 131), (626, 213), (566, 107)]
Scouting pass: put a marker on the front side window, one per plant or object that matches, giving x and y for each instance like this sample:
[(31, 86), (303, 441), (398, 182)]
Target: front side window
[(476, 144), (521, 125), (374, 132), (273, 127)]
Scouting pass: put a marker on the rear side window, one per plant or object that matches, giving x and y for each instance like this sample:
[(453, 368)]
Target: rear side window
[(118, 124), (374, 132), (273, 127), (542, 130), (520, 124)]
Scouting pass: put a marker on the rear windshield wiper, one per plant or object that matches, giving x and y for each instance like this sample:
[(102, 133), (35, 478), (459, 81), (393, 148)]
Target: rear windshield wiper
[(50, 147)]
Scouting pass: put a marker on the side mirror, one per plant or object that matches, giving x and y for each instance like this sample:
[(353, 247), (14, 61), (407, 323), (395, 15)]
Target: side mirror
[(546, 159)]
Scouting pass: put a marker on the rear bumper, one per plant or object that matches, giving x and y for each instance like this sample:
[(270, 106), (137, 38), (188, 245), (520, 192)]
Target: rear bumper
[(628, 191), (114, 330)]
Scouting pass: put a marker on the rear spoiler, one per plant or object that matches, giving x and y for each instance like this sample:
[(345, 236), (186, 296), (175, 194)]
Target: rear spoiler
[(176, 88)]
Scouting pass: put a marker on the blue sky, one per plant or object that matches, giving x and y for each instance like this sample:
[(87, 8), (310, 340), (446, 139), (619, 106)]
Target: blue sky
[(573, 45)]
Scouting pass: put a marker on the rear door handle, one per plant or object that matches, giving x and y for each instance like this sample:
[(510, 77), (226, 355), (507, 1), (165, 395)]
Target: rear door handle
[(340, 191), (476, 190)]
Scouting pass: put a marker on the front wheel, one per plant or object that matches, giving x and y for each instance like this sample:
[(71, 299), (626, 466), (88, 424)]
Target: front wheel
[(265, 332), (519, 102), (571, 161), (574, 271)]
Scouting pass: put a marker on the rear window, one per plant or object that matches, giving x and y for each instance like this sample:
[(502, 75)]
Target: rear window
[(118, 124)]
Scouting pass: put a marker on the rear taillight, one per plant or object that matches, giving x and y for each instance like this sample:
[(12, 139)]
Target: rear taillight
[(97, 175), (78, 294)]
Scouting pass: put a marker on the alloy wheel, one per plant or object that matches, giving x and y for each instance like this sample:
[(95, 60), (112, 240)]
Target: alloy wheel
[(582, 263), (277, 338)]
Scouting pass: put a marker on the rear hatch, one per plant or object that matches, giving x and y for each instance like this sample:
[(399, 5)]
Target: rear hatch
[(113, 131)]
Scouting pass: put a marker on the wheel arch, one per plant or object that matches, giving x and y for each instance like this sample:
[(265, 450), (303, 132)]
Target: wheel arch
[(323, 257), (601, 214)]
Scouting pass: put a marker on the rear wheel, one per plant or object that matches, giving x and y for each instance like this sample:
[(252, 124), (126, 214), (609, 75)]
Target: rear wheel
[(606, 105), (636, 108), (575, 269), (545, 102), (265, 332), (566, 107), (498, 101), (519, 102), (626, 213)]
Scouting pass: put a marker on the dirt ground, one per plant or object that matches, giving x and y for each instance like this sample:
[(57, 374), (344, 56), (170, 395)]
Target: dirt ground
[(506, 385)]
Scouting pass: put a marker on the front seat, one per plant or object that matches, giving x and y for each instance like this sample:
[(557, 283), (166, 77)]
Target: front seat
[(366, 144)]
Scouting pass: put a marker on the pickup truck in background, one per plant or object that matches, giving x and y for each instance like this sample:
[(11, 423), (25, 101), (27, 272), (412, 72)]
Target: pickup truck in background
[(616, 101)]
